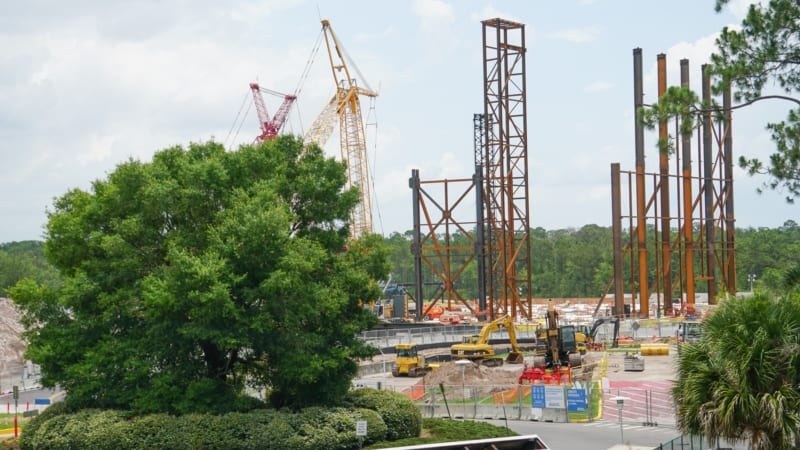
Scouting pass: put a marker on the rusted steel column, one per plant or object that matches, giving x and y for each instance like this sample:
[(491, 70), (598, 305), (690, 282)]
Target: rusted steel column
[(641, 219), (708, 189), (616, 238), (730, 218), (688, 212), (663, 166), (480, 236), (416, 245)]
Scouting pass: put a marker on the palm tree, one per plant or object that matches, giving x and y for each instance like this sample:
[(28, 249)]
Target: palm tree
[(740, 382)]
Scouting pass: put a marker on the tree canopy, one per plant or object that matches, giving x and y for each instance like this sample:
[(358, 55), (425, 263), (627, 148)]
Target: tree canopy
[(766, 51), (740, 381), (203, 273)]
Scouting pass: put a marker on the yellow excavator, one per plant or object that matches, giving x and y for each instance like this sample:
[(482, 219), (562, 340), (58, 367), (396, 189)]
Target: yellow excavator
[(477, 349)]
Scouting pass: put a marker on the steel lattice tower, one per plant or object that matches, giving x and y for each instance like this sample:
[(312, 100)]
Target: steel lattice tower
[(506, 168)]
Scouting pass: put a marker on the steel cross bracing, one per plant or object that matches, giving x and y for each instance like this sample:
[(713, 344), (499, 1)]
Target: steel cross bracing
[(506, 168)]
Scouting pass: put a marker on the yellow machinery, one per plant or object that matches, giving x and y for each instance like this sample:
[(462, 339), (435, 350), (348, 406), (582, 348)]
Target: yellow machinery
[(561, 344), (409, 362), (345, 106), (477, 349)]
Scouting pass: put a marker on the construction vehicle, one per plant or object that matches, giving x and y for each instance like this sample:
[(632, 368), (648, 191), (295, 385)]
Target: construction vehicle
[(409, 362), (345, 106), (270, 126), (562, 351), (477, 349), (689, 332)]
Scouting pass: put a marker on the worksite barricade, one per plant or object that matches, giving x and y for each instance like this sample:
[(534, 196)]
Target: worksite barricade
[(645, 407)]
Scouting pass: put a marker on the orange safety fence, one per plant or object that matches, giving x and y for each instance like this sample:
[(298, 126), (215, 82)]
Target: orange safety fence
[(415, 392), (511, 395)]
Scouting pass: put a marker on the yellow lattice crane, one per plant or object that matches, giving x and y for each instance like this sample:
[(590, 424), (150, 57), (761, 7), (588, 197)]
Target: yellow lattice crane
[(345, 105)]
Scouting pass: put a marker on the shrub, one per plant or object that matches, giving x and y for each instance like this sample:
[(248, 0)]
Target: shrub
[(401, 416)]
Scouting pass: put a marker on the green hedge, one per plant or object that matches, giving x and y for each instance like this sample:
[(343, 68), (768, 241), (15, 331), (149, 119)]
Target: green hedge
[(389, 416)]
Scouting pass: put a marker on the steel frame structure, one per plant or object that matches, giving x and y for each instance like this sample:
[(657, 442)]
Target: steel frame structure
[(506, 201), (698, 239)]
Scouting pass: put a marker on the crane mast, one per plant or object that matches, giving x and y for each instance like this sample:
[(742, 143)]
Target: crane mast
[(270, 127), (346, 106)]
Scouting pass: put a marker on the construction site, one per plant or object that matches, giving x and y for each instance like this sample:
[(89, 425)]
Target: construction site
[(504, 347)]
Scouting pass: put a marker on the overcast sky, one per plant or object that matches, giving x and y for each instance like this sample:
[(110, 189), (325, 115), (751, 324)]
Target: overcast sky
[(88, 84)]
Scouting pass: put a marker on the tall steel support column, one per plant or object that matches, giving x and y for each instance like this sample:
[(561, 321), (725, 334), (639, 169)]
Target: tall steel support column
[(416, 245), (480, 238), (506, 166), (641, 219), (479, 138), (687, 264), (730, 223), (616, 236), (664, 188), (708, 187)]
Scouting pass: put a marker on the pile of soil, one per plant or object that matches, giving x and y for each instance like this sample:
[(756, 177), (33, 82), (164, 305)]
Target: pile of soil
[(449, 373), (12, 346)]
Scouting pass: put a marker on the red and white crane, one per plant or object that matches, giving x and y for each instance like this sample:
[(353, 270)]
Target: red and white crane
[(270, 127)]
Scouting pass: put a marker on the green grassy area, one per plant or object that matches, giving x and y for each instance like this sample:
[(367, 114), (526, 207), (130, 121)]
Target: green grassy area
[(447, 430)]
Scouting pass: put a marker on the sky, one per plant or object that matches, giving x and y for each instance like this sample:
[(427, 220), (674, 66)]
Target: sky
[(88, 84)]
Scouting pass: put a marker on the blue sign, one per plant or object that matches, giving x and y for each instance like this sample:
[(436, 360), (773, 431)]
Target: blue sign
[(41, 401), (537, 396), (576, 400)]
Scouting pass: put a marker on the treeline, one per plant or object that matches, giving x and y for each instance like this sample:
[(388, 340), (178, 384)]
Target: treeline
[(579, 262), (564, 263), (25, 259)]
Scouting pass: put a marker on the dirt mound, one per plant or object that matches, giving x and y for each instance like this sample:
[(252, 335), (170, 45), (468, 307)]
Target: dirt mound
[(12, 346), (449, 373)]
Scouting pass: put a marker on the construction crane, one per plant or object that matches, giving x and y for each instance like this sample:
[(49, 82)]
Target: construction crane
[(270, 127), (345, 105)]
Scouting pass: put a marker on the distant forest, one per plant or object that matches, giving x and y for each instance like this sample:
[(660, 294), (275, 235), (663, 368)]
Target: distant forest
[(564, 263)]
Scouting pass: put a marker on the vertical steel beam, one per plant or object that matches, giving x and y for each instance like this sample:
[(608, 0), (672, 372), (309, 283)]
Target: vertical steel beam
[(480, 234), (708, 188), (730, 221), (641, 224), (688, 209), (663, 186), (616, 237), (416, 245)]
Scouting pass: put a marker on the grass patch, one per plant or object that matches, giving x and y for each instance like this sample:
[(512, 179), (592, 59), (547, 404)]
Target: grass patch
[(446, 430)]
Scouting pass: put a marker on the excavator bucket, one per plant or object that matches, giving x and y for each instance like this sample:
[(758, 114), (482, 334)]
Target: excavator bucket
[(514, 358)]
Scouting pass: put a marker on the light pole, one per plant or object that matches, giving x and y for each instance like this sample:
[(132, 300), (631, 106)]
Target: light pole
[(751, 278), (464, 363), (620, 402)]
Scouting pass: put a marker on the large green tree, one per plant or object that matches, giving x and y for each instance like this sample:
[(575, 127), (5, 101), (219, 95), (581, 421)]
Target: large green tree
[(740, 381), (765, 51), (202, 273)]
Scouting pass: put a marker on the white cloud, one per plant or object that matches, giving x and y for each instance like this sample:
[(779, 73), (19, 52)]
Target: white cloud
[(598, 85), (433, 14), (576, 35)]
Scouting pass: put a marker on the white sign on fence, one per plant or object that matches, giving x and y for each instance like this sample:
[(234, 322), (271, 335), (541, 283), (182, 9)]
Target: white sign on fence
[(554, 397)]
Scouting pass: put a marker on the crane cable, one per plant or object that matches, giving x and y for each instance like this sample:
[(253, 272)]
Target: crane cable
[(304, 76), (228, 142), (373, 114)]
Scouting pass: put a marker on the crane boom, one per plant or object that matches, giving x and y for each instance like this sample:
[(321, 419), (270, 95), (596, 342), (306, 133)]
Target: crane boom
[(346, 105), (270, 127)]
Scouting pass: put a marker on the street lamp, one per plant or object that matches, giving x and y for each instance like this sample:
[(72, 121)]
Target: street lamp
[(751, 278), (620, 403), (464, 363)]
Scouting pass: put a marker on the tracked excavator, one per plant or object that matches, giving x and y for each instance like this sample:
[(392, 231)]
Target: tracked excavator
[(586, 336), (477, 349), (561, 344)]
